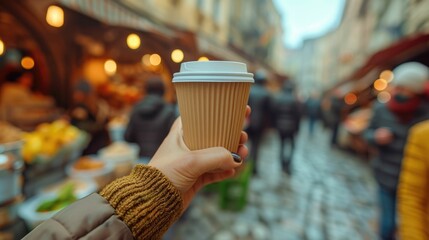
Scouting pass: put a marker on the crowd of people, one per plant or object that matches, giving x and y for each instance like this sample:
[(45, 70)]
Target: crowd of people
[(397, 132)]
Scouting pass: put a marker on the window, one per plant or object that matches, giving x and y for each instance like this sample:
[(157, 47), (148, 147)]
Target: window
[(216, 10), (200, 4)]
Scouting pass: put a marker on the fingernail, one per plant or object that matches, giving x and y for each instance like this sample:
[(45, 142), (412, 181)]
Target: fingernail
[(236, 157)]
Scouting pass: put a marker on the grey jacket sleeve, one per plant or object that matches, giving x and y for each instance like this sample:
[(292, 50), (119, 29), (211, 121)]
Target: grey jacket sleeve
[(88, 218)]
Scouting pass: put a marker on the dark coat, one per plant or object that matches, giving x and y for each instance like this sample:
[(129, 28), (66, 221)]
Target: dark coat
[(387, 165), (312, 108), (149, 124), (286, 113), (73, 223), (259, 100)]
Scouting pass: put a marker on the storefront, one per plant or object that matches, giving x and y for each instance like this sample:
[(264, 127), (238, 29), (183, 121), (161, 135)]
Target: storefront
[(61, 43), (371, 82)]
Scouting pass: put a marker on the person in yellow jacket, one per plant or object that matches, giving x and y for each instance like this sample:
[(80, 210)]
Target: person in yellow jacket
[(413, 192)]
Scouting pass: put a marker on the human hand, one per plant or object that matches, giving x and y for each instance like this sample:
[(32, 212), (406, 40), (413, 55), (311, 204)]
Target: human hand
[(383, 136), (189, 171)]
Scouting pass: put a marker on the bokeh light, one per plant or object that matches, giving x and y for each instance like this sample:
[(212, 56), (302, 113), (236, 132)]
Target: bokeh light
[(110, 67), (350, 99), (155, 59), (27, 62), (177, 55), (1, 47), (383, 97), (133, 41), (55, 16), (387, 75), (146, 60), (380, 84), (203, 58)]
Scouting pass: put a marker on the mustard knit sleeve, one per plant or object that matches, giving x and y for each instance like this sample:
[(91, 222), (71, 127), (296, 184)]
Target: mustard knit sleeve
[(146, 201), (414, 188)]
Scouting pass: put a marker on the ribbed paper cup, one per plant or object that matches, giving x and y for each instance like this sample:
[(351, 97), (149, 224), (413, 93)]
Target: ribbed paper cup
[(212, 98)]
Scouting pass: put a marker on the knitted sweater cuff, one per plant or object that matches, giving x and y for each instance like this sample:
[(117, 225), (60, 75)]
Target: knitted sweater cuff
[(146, 201)]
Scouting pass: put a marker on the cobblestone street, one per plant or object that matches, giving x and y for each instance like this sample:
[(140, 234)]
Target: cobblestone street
[(331, 195)]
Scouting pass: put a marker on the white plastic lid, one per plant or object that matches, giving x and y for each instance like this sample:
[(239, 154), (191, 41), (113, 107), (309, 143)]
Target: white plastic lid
[(213, 71)]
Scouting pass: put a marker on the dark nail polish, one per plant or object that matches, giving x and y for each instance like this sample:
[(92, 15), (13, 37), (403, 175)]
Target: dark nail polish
[(236, 157)]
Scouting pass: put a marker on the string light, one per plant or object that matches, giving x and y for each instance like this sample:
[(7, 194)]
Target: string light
[(55, 16), (350, 99), (146, 60), (27, 63), (1, 47), (133, 41), (155, 59), (203, 58), (380, 84), (177, 55), (384, 97), (110, 67), (387, 75)]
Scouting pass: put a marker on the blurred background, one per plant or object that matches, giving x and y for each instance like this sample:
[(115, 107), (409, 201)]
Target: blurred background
[(74, 72)]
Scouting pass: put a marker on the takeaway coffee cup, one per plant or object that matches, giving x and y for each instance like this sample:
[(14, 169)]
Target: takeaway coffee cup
[(212, 98)]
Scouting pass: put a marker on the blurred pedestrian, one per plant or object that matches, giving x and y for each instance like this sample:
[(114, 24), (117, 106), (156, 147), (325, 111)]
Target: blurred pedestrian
[(388, 131), (90, 114), (259, 101), (413, 190), (335, 117), (286, 115), (312, 110), (150, 119)]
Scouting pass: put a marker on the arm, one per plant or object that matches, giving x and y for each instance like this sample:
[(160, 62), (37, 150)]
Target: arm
[(145, 203), (413, 188), (123, 210)]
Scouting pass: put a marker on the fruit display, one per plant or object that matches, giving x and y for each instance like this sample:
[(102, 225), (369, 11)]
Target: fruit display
[(50, 139)]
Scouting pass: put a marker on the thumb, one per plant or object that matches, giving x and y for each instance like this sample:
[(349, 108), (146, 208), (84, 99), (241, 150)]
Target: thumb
[(213, 159)]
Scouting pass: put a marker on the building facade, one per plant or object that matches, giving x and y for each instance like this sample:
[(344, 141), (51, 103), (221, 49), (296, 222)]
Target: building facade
[(241, 30), (366, 27)]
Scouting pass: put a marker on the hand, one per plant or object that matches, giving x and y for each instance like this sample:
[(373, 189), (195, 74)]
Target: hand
[(383, 136), (189, 171)]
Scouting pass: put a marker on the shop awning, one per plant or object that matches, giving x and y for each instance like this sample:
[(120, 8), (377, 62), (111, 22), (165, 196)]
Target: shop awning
[(389, 57), (393, 55), (113, 13)]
